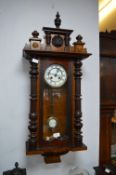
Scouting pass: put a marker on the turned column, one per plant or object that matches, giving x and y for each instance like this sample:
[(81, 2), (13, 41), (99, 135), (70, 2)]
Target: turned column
[(77, 112), (33, 106)]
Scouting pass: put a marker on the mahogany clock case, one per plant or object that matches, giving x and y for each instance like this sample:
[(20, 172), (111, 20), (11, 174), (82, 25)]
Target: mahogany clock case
[(55, 120)]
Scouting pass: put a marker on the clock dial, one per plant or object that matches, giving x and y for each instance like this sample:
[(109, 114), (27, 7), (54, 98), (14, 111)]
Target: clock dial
[(57, 41), (52, 122), (55, 75)]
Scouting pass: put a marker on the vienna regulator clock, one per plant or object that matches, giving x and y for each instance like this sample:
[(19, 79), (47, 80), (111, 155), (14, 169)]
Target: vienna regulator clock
[(55, 119)]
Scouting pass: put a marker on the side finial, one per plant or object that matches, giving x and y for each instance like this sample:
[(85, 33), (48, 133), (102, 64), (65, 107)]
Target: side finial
[(79, 45), (35, 34), (57, 20), (79, 39)]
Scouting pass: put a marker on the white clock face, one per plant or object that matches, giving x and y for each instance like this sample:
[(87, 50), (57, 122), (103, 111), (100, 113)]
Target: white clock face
[(52, 122), (55, 75)]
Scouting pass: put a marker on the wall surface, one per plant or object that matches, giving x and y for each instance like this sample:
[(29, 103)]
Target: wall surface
[(18, 18), (109, 22)]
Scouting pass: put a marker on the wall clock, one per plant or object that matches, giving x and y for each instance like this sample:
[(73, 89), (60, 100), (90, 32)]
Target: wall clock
[(55, 125)]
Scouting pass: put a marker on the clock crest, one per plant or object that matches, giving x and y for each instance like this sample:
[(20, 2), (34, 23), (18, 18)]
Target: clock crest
[(55, 125)]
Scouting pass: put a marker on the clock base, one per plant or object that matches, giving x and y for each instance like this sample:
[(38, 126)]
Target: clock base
[(52, 155), (52, 158)]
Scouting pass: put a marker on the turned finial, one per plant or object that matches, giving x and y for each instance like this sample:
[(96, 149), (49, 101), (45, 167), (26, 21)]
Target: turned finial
[(79, 39), (35, 34), (16, 165), (57, 20)]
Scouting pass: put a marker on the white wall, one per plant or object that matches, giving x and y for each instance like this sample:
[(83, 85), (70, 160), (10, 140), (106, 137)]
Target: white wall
[(18, 18)]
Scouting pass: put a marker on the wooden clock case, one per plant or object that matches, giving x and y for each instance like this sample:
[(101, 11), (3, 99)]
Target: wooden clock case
[(108, 93), (55, 50)]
